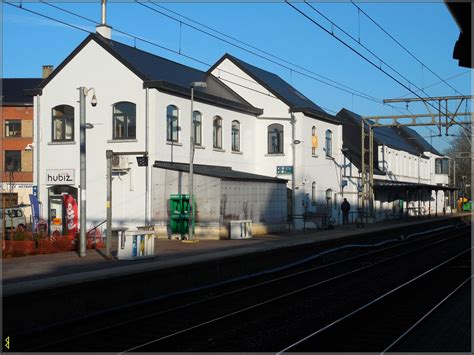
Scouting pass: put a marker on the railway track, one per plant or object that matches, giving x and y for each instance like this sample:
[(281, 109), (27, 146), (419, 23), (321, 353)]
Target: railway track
[(231, 317)]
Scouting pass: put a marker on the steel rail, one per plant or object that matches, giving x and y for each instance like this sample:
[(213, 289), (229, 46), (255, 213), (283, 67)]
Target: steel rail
[(373, 301), (403, 241), (259, 304), (426, 315)]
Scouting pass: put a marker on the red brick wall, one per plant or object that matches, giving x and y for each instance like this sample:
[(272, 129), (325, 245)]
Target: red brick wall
[(25, 114)]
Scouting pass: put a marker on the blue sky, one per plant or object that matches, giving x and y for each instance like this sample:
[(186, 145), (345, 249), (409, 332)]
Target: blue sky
[(426, 29)]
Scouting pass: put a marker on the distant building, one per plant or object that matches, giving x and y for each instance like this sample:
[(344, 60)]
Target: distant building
[(16, 158), (410, 176)]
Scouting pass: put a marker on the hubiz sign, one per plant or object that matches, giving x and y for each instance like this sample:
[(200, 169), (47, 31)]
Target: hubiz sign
[(60, 176)]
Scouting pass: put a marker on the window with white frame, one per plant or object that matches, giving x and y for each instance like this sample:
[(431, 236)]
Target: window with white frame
[(441, 166), (172, 124), (12, 128), (62, 123), (124, 121), (197, 125), (275, 139), (328, 143), (217, 132), (235, 136)]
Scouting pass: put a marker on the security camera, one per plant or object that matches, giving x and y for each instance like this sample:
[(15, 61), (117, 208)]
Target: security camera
[(94, 101)]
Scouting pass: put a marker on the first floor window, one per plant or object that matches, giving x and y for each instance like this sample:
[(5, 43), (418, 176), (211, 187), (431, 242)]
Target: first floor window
[(172, 123), (124, 121), (63, 123), (197, 125), (235, 136), (12, 128), (12, 160), (275, 139), (217, 132), (328, 143)]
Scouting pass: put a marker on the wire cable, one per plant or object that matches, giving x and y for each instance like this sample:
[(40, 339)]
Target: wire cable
[(404, 48), (378, 67)]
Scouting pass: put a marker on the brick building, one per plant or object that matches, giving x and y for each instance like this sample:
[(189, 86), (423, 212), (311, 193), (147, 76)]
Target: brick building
[(16, 158)]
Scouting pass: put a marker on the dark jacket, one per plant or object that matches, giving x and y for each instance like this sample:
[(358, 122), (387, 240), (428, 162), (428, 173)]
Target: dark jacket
[(345, 206)]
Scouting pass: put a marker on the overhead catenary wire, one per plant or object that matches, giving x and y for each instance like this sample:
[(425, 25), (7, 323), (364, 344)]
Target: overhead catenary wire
[(179, 52), (403, 47), (255, 48), (378, 67), (349, 90)]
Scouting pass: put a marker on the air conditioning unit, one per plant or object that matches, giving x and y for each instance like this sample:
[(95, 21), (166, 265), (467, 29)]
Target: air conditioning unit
[(120, 162)]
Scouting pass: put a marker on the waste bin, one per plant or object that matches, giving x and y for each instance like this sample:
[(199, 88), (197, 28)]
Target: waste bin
[(133, 245), (241, 229)]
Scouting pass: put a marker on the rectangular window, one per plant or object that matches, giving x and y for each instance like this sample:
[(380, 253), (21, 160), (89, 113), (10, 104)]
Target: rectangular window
[(12, 160), (124, 121), (441, 166), (13, 128)]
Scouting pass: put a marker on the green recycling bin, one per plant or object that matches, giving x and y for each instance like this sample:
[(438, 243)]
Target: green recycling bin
[(179, 213)]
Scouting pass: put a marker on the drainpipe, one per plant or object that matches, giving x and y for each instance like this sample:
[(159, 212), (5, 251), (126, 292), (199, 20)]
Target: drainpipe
[(37, 150), (293, 174), (147, 171)]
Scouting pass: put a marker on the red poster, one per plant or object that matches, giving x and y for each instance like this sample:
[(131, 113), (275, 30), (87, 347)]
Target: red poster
[(71, 214)]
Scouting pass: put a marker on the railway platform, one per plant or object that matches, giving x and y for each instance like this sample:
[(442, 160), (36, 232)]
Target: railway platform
[(28, 274)]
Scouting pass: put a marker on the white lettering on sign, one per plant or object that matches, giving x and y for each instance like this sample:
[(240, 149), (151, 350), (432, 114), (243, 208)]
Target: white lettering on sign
[(60, 177), (70, 217)]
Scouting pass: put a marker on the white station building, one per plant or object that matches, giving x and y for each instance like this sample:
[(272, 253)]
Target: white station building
[(253, 132)]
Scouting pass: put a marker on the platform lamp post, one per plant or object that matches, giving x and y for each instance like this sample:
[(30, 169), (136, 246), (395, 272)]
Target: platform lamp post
[(82, 181), (195, 84)]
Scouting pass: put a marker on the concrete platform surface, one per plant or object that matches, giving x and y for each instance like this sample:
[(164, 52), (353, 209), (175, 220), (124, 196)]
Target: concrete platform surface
[(38, 272)]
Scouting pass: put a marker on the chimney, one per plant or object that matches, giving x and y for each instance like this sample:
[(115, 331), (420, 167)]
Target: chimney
[(103, 29), (47, 70)]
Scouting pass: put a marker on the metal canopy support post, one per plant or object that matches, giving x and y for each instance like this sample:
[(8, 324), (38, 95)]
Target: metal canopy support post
[(362, 173), (82, 169), (371, 172), (109, 155)]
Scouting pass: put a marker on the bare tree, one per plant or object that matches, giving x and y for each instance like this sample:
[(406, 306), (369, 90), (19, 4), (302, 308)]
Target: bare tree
[(460, 152)]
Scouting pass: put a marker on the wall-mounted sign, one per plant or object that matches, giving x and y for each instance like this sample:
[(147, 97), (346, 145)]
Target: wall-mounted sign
[(282, 169), (60, 176)]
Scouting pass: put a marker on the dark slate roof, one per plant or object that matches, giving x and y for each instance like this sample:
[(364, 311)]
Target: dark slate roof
[(414, 137), (400, 185), (166, 75), (280, 88), (220, 172), (13, 91)]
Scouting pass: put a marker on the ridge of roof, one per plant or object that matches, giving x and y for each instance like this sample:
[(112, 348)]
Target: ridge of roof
[(297, 101)]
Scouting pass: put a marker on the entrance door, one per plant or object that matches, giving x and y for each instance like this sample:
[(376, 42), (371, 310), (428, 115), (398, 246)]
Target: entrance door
[(56, 214)]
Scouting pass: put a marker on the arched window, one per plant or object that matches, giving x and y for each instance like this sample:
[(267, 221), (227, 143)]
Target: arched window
[(328, 143), (62, 123), (235, 136), (197, 125), (275, 139), (329, 199), (314, 140), (124, 121), (217, 132), (313, 192), (172, 123)]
